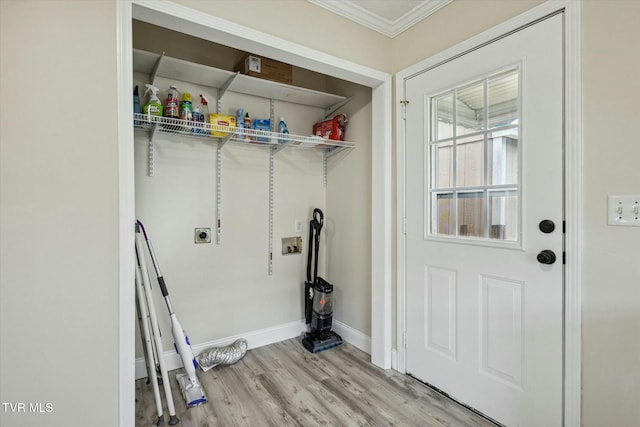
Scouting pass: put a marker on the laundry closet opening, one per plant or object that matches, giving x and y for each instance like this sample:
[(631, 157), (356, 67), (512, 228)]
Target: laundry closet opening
[(240, 283)]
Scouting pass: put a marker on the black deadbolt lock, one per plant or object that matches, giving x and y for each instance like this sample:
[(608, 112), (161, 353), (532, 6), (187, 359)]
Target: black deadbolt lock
[(546, 257), (546, 226)]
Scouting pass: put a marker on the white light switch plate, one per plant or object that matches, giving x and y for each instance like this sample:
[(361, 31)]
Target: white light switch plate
[(297, 226), (624, 210)]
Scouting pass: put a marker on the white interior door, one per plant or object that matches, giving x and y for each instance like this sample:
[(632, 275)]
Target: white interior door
[(484, 147)]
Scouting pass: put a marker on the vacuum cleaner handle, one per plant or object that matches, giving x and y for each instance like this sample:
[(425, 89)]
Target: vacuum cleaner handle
[(315, 260), (317, 222), (315, 225), (320, 222), (310, 253)]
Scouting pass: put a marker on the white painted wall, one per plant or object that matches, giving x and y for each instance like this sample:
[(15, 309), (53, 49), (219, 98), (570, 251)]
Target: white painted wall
[(611, 276), (348, 219), (58, 213)]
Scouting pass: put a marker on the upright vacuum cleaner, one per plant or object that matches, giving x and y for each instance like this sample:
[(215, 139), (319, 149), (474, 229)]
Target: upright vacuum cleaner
[(189, 384), (318, 307)]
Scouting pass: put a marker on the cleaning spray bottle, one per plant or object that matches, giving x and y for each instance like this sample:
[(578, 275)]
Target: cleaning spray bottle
[(204, 115), (153, 107)]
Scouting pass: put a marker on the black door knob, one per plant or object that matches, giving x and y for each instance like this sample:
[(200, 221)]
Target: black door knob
[(546, 226), (546, 257)]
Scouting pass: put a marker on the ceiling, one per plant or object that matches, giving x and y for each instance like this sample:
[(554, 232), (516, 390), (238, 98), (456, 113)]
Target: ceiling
[(389, 17)]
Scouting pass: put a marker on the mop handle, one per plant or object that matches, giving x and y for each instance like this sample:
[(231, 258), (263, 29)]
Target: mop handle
[(163, 287)]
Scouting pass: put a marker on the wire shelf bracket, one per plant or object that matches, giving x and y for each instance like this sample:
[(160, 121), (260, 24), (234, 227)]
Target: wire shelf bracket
[(335, 107)]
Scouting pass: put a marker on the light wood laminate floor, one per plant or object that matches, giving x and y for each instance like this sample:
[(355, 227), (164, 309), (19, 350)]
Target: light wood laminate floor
[(282, 384)]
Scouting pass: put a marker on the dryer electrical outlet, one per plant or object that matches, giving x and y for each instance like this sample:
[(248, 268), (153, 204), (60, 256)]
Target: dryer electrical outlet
[(202, 235)]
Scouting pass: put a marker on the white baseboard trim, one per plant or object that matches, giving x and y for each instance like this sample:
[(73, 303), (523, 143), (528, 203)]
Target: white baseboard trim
[(254, 339), (260, 338), (352, 336)]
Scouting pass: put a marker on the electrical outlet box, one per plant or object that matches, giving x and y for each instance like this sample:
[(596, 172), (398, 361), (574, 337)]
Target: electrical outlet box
[(297, 226), (624, 210), (202, 235)]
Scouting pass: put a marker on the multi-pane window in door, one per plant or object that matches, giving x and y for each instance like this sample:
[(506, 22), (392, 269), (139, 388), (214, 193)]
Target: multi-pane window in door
[(474, 159)]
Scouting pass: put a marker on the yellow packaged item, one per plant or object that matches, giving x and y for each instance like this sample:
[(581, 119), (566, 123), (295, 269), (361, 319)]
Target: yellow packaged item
[(221, 120)]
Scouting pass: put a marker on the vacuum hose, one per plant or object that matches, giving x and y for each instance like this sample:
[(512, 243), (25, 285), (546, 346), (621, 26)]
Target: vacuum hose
[(222, 355)]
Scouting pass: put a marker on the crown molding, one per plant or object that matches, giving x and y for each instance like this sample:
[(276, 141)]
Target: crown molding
[(389, 28)]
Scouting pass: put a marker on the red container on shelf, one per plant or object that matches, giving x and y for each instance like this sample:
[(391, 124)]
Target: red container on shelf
[(332, 129)]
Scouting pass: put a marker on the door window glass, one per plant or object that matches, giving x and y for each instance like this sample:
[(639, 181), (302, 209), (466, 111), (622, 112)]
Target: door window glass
[(474, 158)]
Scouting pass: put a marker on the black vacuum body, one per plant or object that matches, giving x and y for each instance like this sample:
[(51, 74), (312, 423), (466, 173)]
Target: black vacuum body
[(318, 307)]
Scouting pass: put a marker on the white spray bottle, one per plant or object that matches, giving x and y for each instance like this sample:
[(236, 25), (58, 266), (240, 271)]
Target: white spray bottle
[(153, 107), (204, 115)]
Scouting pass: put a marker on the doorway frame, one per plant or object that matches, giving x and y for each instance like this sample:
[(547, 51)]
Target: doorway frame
[(173, 16), (572, 359)]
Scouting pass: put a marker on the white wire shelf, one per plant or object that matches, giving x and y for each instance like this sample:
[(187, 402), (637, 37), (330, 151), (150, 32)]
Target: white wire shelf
[(224, 134), (161, 65)]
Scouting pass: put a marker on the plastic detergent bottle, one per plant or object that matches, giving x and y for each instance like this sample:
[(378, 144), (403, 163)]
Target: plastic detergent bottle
[(153, 107), (282, 128), (204, 115), (172, 103)]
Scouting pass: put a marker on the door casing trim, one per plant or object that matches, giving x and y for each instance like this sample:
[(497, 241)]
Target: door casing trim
[(572, 363)]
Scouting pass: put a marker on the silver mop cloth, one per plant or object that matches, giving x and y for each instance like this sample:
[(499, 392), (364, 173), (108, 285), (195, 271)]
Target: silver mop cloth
[(228, 355)]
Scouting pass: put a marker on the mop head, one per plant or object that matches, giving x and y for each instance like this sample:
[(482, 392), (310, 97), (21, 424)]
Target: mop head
[(228, 355), (191, 390)]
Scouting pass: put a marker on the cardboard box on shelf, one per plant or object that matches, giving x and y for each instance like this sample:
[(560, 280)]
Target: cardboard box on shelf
[(265, 68), (221, 120)]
